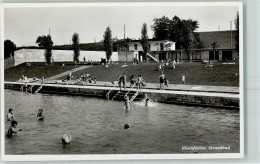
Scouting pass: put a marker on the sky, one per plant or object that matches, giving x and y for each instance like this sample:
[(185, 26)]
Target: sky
[(24, 25)]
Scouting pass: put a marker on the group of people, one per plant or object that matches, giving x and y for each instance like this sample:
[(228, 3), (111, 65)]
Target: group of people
[(24, 77), (138, 81), (171, 63), (89, 61), (86, 77), (10, 118)]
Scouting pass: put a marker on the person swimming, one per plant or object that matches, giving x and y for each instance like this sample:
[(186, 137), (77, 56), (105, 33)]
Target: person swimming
[(40, 114), (66, 138), (126, 126), (11, 131), (10, 115), (127, 104), (146, 100)]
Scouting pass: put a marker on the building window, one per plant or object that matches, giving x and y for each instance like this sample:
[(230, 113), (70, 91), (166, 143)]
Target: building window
[(161, 46), (135, 46)]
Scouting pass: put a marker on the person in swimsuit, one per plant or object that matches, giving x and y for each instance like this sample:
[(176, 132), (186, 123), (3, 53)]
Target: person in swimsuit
[(11, 131), (10, 115), (127, 104), (40, 114), (146, 100), (124, 80), (161, 77), (132, 81)]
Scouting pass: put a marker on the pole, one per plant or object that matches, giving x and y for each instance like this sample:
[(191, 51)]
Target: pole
[(230, 34), (125, 45)]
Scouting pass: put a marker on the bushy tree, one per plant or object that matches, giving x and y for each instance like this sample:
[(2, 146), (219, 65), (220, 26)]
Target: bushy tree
[(144, 40), (180, 31), (237, 31), (9, 48), (108, 42), (191, 39), (75, 47), (47, 44), (161, 28)]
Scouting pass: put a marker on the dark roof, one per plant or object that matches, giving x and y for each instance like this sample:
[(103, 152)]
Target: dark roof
[(153, 39), (223, 38)]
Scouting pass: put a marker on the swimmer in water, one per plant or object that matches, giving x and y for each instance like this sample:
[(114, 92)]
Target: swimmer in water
[(10, 115), (146, 100), (40, 114), (127, 104), (11, 131), (66, 138)]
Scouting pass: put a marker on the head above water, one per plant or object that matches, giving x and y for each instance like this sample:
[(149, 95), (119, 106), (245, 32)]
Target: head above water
[(126, 126), (10, 110), (14, 123)]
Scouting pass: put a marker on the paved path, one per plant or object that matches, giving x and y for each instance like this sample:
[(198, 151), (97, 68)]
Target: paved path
[(66, 73), (154, 86), (171, 87), (98, 87)]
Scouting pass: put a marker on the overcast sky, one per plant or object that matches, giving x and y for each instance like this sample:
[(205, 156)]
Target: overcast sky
[(23, 25)]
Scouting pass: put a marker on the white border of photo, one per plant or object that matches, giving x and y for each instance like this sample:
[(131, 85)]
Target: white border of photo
[(125, 156)]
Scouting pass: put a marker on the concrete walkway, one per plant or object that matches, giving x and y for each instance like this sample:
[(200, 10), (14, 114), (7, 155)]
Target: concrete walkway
[(168, 91), (66, 73)]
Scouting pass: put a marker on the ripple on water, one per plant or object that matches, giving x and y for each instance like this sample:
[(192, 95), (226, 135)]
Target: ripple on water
[(97, 126)]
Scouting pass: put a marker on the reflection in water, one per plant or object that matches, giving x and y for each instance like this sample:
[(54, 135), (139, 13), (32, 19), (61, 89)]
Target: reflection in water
[(97, 126)]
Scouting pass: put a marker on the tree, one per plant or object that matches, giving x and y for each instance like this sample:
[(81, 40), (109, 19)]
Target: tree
[(9, 48), (108, 42), (191, 39), (161, 28), (75, 46), (144, 40), (46, 43), (180, 31), (237, 32)]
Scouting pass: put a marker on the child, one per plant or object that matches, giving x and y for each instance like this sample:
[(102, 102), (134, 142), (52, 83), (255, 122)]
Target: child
[(40, 114), (10, 115), (146, 100), (127, 104), (66, 138), (166, 82), (11, 131)]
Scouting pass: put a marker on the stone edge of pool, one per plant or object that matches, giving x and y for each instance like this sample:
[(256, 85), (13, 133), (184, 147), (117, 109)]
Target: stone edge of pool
[(193, 98)]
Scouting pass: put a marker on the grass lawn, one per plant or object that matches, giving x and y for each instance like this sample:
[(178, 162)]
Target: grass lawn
[(36, 70), (195, 73)]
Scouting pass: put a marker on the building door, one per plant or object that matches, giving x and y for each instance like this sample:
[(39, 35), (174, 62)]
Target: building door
[(227, 55), (211, 55)]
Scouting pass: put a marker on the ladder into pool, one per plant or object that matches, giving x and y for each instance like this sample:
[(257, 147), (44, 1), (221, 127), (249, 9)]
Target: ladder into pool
[(38, 89)]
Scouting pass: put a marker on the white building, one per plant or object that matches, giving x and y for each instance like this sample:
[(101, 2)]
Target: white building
[(158, 50)]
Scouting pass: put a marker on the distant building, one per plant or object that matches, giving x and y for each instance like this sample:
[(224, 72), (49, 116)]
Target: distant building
[(158, 50), (164, 49)]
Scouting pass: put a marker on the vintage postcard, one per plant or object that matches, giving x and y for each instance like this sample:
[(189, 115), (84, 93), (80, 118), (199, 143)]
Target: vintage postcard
[(135, 80)]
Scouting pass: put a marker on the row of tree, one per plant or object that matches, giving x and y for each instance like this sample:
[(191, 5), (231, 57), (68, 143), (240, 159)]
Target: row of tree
[(180, 31), (47, 43)]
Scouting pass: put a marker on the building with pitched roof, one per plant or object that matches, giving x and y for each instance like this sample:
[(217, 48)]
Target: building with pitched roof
[(165, 49)]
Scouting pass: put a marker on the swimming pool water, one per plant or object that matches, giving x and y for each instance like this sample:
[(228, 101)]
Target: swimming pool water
[(97, 126)]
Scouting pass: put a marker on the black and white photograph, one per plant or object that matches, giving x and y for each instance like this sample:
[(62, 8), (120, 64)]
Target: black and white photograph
[(133, 80)]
